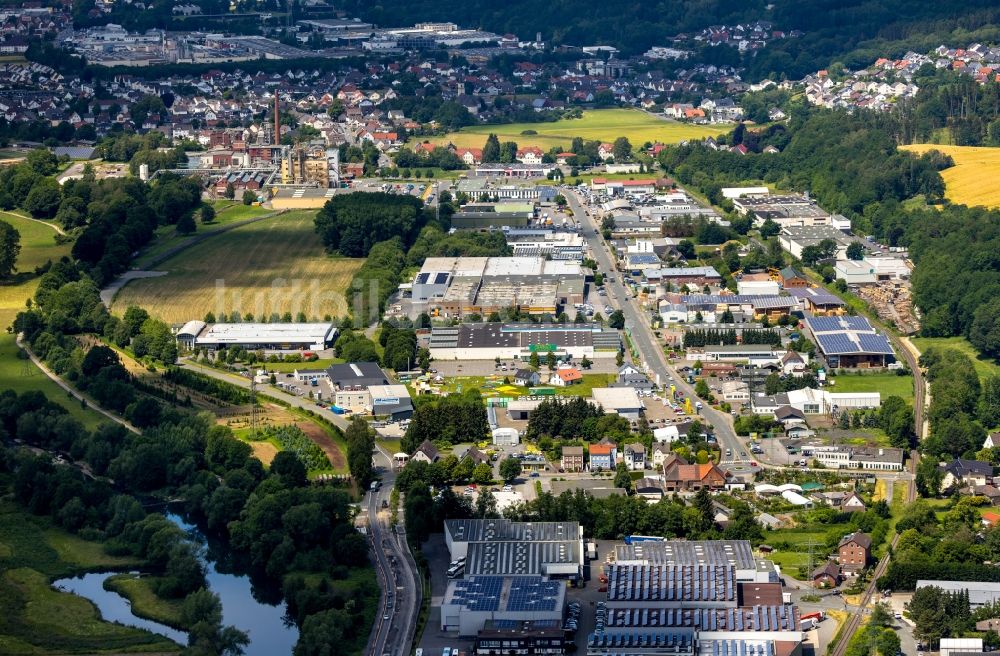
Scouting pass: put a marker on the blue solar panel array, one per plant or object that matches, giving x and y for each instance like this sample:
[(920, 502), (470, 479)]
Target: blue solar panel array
[(533, 593), (836, 343), (875, 343), (479, 593)]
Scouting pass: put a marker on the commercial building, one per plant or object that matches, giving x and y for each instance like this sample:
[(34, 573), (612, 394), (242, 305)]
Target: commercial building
[(811, 401), (785, 210), (742, 306), (513, 637), (623, 401), (981, 593), (482, 216), (470, 603), (698, 597), (857, 457), (796, 238), (460, 286), (541, 242), (254, 336), (818, 301), (486, 341), (735, 553), (755, 354), (850, 342)]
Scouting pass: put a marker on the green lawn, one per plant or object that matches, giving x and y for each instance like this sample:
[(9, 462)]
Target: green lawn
[(289, 367), (889, 384), (23, 376), (38, 246), (984, 366), (604, 125)]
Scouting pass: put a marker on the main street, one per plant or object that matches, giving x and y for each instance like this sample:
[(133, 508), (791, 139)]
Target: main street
[(402, 589), (637, 325)]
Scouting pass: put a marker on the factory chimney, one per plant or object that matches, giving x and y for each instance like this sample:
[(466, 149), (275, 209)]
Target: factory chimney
[(277, 121)]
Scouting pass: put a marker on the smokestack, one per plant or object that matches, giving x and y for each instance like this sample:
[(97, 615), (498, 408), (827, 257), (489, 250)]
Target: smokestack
[(277, 121)]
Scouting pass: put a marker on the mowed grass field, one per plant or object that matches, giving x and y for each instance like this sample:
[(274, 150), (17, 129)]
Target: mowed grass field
[(973, 179), (604, 125), (984, 366), (38, 246), (888, 384), (276, 265)]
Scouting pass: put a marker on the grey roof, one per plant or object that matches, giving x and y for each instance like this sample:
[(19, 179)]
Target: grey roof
[(980, 592), (816, 295), (478, 530), (357, 373), (519, 557), (755, 300), (689, 552), (960, 467), (686, 272), (757, 618)]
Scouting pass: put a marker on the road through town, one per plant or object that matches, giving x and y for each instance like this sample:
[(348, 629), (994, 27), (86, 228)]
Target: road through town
[(637, 325)]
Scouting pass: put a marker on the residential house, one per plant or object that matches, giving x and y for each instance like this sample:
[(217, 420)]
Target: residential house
[(530, 155), (474, 454), (426, 452), (853, 503), (961, 472), (606, 151), (572, 459), (566, 376), (649, 488), (990, 518), (680, 476), (991, 492), (635, 456), (661, 451), (854, 552), (526, 378), (603, 456), (826, 576)]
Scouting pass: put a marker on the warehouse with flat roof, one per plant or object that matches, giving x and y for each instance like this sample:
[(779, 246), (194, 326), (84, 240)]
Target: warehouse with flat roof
[(470, 603), (486, 341), (254, 336)]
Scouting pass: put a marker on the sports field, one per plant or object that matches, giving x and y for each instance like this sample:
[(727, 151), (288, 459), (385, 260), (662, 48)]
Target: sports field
[(604, 125), (972, 181), (276, 265)]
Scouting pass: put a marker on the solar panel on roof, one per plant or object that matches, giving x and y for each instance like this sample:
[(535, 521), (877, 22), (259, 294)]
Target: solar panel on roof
[(835, 343), (875, 343), (440, 278), (858, 323)]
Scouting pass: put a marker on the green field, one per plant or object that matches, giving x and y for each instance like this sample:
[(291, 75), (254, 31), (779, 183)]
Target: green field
[(796, 554), (38, 619), (275, 265), (38, 246), (603, 125), (888, 384), (167, 237), (984, 366)]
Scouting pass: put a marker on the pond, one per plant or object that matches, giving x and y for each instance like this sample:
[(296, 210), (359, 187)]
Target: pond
[(264, 623)]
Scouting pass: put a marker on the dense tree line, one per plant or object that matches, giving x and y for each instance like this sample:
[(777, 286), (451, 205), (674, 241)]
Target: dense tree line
[(351, 224), (574, 418), (954, 427), (712, 336), (452, 419), (439, 157)]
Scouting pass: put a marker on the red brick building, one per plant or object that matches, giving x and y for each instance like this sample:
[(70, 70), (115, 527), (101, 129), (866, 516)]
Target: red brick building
[(854, 552)]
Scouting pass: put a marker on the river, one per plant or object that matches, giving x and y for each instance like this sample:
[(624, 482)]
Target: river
[(264, 623)]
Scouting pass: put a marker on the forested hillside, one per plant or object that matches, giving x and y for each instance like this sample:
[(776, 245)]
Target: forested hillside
[(854, 32)]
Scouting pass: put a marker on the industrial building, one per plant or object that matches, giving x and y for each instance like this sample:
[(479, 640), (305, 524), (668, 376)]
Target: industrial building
[(483, 216), (546, 243), (301, 165), (850, 342), (460, 286), (696, 598), (511, 572), (981, 593), (795, 239), (735, 553), (785, 210), (255, 336), (486, 341), (470, 603), (744, 307)]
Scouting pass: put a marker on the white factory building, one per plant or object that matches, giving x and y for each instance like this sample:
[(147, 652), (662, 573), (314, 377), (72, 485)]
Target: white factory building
[(254, 336)]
